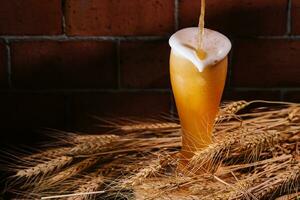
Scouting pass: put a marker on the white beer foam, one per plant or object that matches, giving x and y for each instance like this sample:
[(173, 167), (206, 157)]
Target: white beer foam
[(184, 42)]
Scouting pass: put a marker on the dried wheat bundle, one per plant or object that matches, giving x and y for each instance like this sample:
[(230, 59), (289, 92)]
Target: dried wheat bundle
[(255, 154)]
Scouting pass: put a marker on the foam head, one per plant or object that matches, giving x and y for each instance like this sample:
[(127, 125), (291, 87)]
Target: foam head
[(216, 46)]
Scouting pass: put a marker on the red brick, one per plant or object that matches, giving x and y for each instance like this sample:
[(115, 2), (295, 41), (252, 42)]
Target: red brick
[(296, 17), (119, 17), (21, 111), (231, 94), (145, 64), (84, 107), (237, 17), (70, 64), (30, 17), (266, 63), (3, 66)]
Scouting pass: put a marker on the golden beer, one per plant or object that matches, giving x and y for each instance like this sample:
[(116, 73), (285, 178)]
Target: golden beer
[(197, 96), (197, 82)]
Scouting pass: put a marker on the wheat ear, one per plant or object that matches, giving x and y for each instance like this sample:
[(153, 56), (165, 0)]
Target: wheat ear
[(249, 143), (230, 109), (214, 153), (234, 107), (45, 167), (77, 139), (153, 168), (150, 126), (253, 144), (69, 172), (91, 186), (240, 189), (93, 146), (48, 154), (284, 182)]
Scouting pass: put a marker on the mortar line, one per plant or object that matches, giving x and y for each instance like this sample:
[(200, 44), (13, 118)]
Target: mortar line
[(176, 14), (63, 3), (288, 89), (83, 38), (285, 89), (292, 37), (289, 17), (119, 38), (69, 91), (8, 63)]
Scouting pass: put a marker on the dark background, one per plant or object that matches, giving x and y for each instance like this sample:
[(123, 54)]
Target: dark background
[(64, 61)]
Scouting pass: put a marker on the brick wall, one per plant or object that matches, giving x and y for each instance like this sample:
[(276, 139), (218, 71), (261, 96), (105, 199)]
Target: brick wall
[(62, 62)]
